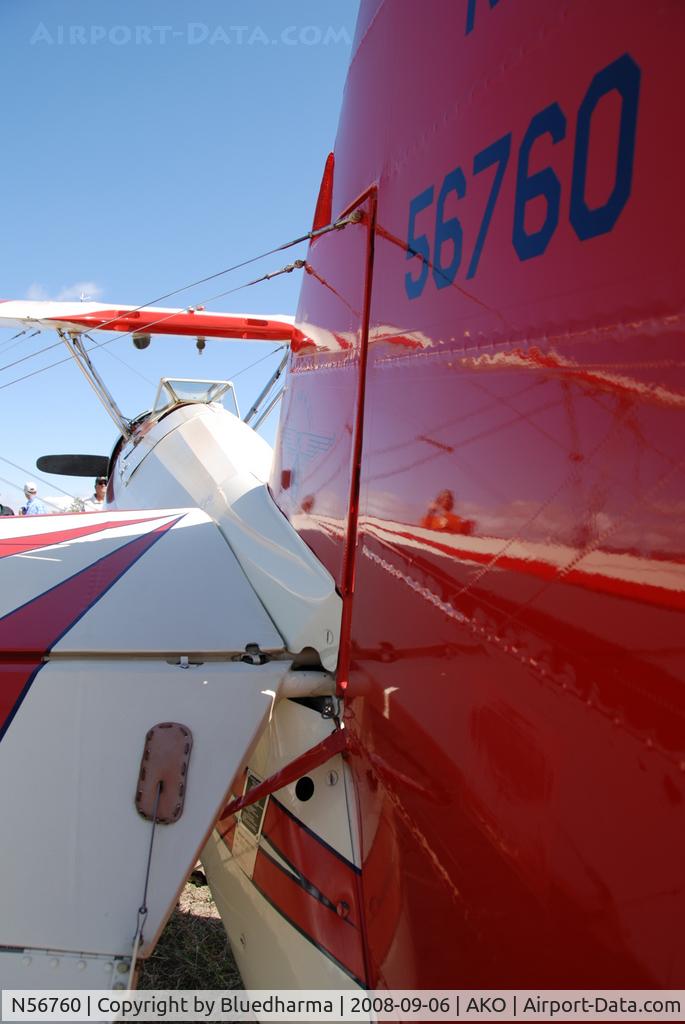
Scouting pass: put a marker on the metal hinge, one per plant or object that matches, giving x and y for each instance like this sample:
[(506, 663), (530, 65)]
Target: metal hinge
[(254, 656)]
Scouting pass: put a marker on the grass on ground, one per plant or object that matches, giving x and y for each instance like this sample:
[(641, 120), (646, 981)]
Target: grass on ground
[(193, 951)]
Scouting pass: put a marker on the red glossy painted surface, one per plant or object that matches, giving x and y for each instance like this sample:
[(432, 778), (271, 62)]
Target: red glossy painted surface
[(180, 322), (320, 894), (328, 871), (314, 450), (323, 214), (16, 676), (18, 545), (516, 680), (317, 921)]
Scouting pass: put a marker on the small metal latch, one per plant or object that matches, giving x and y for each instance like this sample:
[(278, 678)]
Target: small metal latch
[(253, 655), (328, 708), (165, 761), (183, 661)]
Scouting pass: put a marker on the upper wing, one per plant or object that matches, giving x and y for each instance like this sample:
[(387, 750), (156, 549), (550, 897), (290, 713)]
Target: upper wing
[(192, 321)]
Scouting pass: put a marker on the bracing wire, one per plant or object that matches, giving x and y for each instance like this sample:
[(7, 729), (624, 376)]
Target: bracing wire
[(123, 362), (261, 359), (32, 475), (31, 355), (17, 487), (288, 269), (68, 359), (296, 265), (34, 373), (309, 236), (7, 345)]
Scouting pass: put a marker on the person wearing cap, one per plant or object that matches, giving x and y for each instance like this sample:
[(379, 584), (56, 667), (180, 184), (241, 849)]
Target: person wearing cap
[(96, 502), (5, 510), (34, 506)]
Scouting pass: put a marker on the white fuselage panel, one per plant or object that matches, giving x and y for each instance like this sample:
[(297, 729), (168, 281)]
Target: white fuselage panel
[(202, 455)]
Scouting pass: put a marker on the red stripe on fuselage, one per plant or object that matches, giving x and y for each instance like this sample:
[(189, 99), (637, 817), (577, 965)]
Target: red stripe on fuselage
[(15, 678), (324, 870), (333, 934), (28, 632), (35, 541), (327, 871)]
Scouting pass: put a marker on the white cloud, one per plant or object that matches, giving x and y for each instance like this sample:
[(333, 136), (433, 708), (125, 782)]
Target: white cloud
[(89, 289), (36, 292)]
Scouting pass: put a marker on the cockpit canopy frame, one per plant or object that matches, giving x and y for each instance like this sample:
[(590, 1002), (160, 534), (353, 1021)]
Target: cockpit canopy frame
[(181, 390)]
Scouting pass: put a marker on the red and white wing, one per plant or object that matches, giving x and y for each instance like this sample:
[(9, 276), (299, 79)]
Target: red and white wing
[(111, 623), (191, 321)]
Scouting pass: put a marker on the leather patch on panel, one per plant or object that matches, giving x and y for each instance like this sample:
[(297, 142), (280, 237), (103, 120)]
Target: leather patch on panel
[(165, 760)]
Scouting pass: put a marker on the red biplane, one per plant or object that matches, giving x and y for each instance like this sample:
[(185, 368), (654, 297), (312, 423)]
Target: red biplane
[(430, 652)]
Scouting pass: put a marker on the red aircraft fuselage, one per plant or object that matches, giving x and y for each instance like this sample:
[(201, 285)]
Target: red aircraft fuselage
[(483, 443)]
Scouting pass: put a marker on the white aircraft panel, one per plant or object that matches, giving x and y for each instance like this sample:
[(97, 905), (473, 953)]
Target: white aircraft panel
[(186, 593), (74, 847), (167, 584), (202, 455), (39, 552), (268, 950)]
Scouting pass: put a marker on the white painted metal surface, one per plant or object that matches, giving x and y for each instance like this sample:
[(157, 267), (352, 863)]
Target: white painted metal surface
[(268, 949), (54, 969), (269, 952), (186, 592), (136, 598), (293, 729), (39, 312), (73, 842), (116, 621), (202, 455)]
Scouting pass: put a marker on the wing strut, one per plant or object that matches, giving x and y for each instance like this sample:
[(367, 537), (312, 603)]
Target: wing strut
[(80, 356)]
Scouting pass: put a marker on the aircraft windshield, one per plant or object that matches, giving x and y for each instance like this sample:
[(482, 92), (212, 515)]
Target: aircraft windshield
[(175, 390)]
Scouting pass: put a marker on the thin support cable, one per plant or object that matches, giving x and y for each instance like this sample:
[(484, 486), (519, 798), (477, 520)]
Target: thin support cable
[(234, 376), (31, 355), (141, 917), (17, 487), (296, 265), (28, 473), (337, 225), (7, 345), (123, 362), (287, 269)]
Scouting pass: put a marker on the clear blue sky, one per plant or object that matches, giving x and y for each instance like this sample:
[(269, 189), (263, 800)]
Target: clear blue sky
[(147, 145)]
